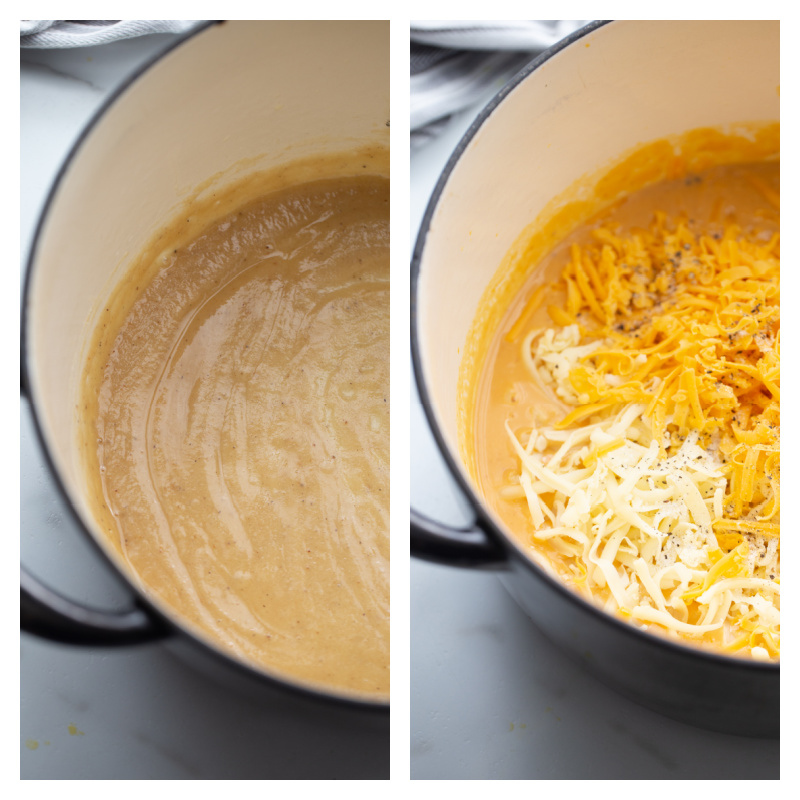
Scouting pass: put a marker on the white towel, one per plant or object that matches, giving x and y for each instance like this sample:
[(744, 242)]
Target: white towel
[(51, 33), (457, 63)]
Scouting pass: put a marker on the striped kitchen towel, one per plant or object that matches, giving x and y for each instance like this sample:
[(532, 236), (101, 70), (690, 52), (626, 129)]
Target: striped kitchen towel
[(49, 33)]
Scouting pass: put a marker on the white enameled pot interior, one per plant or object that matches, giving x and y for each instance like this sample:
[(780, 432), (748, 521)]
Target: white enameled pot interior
[(236, 98), (620, 85)]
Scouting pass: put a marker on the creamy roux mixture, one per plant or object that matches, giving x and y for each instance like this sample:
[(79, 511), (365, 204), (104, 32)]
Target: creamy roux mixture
[(241, 421)]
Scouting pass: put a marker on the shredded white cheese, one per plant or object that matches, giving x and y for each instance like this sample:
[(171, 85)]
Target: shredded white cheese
[(631, 527)]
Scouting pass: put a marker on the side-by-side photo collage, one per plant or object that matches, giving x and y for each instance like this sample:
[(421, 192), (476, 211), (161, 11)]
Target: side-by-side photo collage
[(476, 321)]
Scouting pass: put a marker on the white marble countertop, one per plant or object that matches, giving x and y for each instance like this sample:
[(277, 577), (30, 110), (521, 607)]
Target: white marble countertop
[(490, 696), (134, 713)]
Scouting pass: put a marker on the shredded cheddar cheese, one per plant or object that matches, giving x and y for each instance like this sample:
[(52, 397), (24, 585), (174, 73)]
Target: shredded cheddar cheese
[(660, 489)]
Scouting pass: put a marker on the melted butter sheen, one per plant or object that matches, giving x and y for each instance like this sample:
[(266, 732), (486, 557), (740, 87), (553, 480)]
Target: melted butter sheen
[(243, 433)]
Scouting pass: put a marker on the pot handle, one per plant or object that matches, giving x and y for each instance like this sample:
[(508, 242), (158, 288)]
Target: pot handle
[(48, 615), (458, 547), (44, 613)]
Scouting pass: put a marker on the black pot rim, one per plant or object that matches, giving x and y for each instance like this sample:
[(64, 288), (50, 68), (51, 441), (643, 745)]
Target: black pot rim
[(378, 708), (484, 519)]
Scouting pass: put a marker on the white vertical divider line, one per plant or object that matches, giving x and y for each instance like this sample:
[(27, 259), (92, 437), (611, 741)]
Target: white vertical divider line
[(400, 255)]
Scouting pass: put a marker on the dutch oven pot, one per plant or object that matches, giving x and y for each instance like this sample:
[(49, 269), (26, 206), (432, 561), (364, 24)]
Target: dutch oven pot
[(575, 109), (231, 99)]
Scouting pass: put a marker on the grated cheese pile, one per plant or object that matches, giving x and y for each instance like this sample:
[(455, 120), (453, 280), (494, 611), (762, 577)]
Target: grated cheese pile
[(658, 494)]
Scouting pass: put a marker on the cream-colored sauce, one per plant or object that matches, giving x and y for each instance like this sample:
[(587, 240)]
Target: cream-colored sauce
[(241, 421)]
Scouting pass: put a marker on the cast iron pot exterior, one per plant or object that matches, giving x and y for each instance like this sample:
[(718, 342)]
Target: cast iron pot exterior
[(533, 140), (209, 106)]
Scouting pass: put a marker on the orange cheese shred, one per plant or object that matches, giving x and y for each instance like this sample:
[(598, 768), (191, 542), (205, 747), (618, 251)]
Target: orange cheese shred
[(665, 472), (693, 326)]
